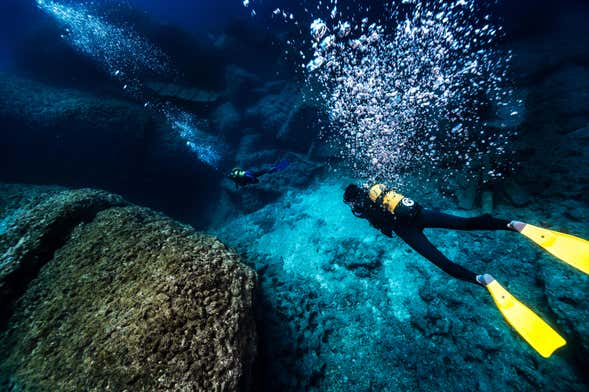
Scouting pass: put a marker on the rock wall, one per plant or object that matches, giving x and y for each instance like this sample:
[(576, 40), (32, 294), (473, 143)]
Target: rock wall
[(122, 298), (72, 138), (551, 75)]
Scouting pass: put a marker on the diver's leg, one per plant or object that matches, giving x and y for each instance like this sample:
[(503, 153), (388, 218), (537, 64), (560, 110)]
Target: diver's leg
[(261, 172), (435, 219), (418, 241)]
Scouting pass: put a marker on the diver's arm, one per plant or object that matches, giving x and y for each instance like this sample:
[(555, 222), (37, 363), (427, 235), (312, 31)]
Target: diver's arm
[(418, 241)]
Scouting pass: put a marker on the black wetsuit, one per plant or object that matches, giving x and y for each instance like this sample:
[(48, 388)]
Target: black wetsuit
[(408, 223), (249, 177)]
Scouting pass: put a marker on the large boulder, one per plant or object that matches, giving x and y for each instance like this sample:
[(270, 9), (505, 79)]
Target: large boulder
[(128, 300), (32, 234)]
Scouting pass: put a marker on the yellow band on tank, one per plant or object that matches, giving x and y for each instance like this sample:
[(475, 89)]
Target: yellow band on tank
[(376, 191), (391, 200)]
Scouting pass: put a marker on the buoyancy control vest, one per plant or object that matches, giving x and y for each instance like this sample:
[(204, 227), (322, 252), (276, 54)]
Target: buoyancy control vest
[(392, 202)]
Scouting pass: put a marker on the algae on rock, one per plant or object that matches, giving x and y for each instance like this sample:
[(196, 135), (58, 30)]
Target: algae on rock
[(133, 301)]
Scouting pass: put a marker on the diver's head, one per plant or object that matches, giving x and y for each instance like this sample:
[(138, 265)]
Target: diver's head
[(355, 197), (235, 173)]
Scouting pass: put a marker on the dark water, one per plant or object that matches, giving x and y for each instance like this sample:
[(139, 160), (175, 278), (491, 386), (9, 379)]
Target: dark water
[(471, 107)]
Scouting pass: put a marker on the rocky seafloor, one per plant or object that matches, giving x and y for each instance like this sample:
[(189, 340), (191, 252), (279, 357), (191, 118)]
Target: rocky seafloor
[(344, 308), (99, 294)]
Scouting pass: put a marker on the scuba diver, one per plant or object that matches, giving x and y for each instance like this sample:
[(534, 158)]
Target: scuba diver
[(391, 212), (246, 177)]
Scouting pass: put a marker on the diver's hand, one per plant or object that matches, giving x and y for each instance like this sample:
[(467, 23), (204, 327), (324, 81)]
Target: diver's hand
[(484, 279)]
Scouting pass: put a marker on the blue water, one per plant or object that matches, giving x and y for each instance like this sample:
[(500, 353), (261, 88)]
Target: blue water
[(201, 16), (466, 106)]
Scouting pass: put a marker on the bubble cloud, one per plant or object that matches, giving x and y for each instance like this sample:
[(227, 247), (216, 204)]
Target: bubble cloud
[(120, 51), (205, 147), (412, 97), (127, 56)]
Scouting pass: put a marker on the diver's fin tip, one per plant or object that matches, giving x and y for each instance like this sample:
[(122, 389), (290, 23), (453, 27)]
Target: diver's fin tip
[(570, 249), (528, 324)]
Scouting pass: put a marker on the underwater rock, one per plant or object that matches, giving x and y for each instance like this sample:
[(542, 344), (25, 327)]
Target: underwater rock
[(46, 56), (539, 55), (466, 196), (560, 99), (551, 152), (196, 62), (131, 300), (359, 257), (487, 202), (15, 198), (320, 151), (564, 173), (36, 106), (518, 196), (287, 341), (38, 230), (253, 151), (552, 70), (251, 45)]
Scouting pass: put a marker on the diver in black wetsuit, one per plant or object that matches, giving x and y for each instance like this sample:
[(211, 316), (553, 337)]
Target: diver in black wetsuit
[(242, 177), (391, 212)]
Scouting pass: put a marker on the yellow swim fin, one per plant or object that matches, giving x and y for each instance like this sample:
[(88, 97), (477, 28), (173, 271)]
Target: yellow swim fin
[(570, 249), (528, 324)]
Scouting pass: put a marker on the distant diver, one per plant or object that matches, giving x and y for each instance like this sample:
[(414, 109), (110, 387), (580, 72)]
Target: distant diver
[(247, 177), (391, 212)]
